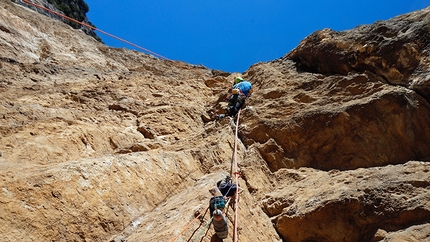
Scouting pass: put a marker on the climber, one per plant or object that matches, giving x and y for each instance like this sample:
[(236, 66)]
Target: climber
[(217, 201), (224, 190), (220, 224), (241, 90)]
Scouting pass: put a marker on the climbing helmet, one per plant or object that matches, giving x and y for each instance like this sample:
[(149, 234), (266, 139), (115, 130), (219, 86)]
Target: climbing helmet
[(217, 212), (238, 79)]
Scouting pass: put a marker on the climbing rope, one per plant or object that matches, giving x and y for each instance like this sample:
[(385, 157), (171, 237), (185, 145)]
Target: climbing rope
[(236, 205), (189, 224), (203, 229), (236, 174), (208, 223), (116, 37)]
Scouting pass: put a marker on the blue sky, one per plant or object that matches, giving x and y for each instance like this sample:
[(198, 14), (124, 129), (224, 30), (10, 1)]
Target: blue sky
[(231, 35)]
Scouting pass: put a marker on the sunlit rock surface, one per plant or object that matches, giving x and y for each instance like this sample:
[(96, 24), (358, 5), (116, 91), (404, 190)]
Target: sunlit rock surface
[(104, 144)]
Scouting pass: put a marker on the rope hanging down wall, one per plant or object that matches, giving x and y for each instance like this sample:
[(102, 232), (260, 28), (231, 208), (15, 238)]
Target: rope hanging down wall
[(236, 175)]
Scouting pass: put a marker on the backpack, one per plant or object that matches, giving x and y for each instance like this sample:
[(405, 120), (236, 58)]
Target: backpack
[(217, 202), (227, 188)]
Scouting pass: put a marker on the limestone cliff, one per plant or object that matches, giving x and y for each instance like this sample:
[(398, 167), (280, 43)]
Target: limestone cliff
[(75, 9), (105, 144)]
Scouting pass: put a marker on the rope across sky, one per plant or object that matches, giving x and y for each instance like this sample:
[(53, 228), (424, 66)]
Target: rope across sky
[(115, 37)]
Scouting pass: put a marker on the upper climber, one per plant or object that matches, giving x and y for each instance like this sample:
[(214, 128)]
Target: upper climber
[(241, 90)]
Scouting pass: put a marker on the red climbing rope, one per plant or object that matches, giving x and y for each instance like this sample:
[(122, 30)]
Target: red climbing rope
[(116, 37), (189, 224), (236, 175)]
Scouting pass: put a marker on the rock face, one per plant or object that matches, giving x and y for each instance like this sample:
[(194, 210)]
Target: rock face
[(104, 144), (75, 9), (347, 206)]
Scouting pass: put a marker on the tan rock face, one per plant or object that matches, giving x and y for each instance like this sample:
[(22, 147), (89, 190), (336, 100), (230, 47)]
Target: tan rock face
[(356, 118), (104, 144), (393, 50), (336, 122), (352, 205)]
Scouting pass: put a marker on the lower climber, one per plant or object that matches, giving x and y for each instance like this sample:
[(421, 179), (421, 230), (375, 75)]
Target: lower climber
[(217, 201)]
